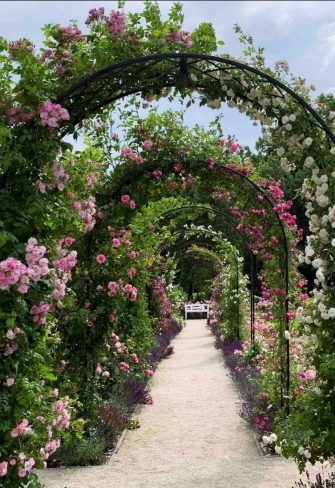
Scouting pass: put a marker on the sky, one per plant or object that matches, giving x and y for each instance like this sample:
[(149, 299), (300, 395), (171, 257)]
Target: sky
[(301, 32)]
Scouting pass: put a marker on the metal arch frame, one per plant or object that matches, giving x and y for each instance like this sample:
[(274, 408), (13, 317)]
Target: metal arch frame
[(286, 270), (247, 243), (184, 62)]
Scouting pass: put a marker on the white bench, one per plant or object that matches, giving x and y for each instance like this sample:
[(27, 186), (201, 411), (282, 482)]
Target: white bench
[(196, 308)]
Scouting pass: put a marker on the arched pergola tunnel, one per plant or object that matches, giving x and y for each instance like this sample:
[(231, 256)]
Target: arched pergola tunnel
[(294, 129), (165, 221)]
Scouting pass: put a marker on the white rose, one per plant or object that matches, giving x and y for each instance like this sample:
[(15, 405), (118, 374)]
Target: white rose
[(322, 200), (287, 335), (273, 438), (307, 454), (331, 312), (309, 161), (307, 142)]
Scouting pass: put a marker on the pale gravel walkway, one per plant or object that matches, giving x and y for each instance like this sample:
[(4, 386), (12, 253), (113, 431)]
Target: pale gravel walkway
[(191, 437)]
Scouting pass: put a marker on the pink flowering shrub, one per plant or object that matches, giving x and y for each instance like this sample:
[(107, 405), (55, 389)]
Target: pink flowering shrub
[(116, 23), (52, 113)]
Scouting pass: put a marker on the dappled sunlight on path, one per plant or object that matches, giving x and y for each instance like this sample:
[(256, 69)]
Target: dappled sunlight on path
[(192, 436)]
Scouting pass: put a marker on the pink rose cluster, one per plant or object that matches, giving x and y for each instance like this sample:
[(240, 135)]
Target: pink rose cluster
[(100, 372), (159, 289), (23, 467), (307, 375), (38, 265), (275, 191), (66, 262), (13, 271), (10, 347), (132, 290), (39, 313), (94, 15), (178, 168), (52, 113), (120, 348), (124, 366), (230, 144), (60, 177), (86, 210), (128, 202), (62, 421), (127, 152), (17, 115), (113, 288), (70, 34), (23, 429), (182, 37), (63, 265), (116, 23), (282, 209), (132, 273), (157, 174)]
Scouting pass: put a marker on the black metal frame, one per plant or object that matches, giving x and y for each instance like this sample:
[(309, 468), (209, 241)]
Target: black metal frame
[(135, 75)]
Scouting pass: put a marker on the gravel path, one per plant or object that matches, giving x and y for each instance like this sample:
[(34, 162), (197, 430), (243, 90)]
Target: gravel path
[(191, 437)]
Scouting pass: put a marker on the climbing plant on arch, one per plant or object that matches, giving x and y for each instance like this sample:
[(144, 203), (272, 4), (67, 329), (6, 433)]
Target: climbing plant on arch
[(120, 56)]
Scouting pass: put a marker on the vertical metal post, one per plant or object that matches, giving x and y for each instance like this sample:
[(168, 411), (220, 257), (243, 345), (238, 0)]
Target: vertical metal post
[(238, 300), (252, 297)]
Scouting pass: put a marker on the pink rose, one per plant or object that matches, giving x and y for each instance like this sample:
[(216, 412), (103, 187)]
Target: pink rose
[(125, 199), (234, 147), (69, 241), (22, 473), (116, 242), (149, 373), (10, 335), (3, 468), (138, 160), (10, 382), (132, 273), (101, 258), (147, 145), (307, 375), (98, 369)]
